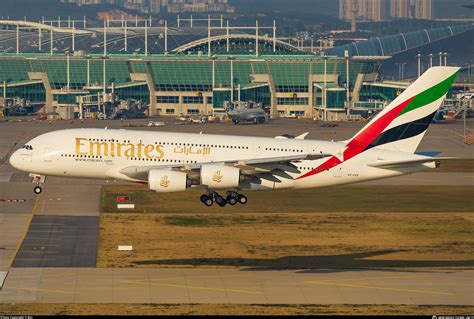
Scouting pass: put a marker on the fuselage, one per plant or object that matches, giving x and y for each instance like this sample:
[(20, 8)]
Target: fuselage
[(104, 153)]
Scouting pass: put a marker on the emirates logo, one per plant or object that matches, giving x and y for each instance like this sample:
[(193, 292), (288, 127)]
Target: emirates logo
[(217, 177), (165, 181)]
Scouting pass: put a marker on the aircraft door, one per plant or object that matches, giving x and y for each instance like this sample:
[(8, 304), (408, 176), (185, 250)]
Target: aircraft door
[(49, 154), (337, 171), (257, 149)]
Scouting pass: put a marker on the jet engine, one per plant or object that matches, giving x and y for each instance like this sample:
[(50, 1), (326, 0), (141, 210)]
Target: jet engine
[(220, 176), (165, 181)]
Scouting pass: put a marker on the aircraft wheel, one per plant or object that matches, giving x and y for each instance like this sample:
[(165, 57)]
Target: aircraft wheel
[(231, 200), (220, 201), (206, 200), (242, 199), (37, 190)]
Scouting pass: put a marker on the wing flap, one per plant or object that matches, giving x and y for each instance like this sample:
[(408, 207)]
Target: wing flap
[(250, 166)]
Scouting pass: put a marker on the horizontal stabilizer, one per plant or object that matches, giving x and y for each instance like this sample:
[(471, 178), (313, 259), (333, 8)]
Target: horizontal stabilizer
[(410, 162)]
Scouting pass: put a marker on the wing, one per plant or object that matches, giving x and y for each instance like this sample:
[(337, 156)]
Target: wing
[(279, 166)]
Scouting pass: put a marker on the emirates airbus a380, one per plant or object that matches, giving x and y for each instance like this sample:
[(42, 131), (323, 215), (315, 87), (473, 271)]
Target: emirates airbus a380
[(173, 162)]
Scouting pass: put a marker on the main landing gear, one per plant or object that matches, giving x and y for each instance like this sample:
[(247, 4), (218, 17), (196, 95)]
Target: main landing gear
[(232, 198)]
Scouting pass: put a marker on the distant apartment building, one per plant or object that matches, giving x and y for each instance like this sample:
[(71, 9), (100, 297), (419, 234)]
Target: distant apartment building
[(177, 6), (423, 9), (367, 10), (93, 2), (158, 6), (379, 10), (400, 9), (411, 9)]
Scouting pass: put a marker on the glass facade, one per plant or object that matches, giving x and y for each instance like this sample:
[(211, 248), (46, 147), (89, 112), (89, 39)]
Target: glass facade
[(391, 45), (180, 79)]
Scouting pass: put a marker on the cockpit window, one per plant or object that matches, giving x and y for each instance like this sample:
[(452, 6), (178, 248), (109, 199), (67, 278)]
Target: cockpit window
[(28, 147)]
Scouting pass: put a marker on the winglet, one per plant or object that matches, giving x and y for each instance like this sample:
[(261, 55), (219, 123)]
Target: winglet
[(302, 136)]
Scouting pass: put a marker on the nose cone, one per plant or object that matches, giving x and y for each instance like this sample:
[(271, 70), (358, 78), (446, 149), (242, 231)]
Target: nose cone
[(16, 161)]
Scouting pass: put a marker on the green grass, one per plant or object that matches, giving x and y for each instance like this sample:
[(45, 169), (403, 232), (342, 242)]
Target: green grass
[(337, 199), (192, 221)]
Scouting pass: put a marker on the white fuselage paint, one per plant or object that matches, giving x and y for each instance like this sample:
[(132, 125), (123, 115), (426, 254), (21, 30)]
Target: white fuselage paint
[(57, 154)]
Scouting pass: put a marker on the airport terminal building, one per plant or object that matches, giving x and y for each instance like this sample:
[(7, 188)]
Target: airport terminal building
[(195, 77)]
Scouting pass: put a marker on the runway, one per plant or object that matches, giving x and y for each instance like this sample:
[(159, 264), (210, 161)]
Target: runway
[(192, 286)]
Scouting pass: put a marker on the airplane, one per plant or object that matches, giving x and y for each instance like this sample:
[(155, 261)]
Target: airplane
[(174, 162), (243, 113)]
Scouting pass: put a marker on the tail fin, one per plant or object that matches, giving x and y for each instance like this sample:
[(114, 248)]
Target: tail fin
[(402, 124)]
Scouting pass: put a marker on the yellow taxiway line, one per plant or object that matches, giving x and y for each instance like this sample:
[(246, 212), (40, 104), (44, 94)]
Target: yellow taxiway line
[(334, 282), (193, 287), (41, 290), (35, 206)]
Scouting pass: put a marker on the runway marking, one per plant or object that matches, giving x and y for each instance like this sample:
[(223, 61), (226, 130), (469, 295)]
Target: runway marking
[(35, 205), (35, 259), (41, 245), (46, 231), (46, 238), (193, 277), (41, 290), (458, 134), (369, 278), (38, 251), (193, 287), (380, 288)]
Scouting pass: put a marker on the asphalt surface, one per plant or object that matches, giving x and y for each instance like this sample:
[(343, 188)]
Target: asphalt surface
[(174, 286), (59, 241)]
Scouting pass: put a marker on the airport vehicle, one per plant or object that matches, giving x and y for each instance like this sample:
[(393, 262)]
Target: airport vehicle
[(247, 112), (173, 162), (155, 124)]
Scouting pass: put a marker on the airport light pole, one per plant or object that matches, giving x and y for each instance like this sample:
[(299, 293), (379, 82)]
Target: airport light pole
[(146, 37), (346, 55), (125, 40), (68, 70), (231, 80), (40, 35), (51, 39), (105, 38), (324, 88), (213, 74), (17, 39), (104, 82), (419, 64), (431, 60), (227, 37), (440, 58), (208, 35), (166, 36), (445, 58), (256, 38), (274, 35), (88, 71), (73, 36)]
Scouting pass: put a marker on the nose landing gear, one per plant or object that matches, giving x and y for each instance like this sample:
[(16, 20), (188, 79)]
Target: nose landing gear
[(37, 190), (38, 180), (232, 199)]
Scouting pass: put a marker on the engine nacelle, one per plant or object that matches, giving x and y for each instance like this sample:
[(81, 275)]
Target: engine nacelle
[(220, 176), (164, 181)]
